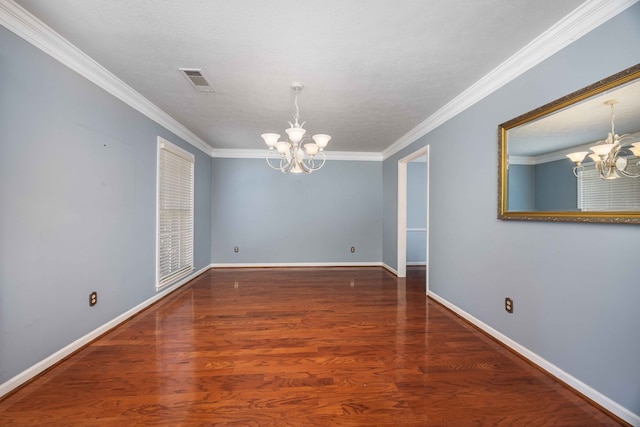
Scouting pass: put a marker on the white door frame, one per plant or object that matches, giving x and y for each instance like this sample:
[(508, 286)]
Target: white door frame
[(402, 212)]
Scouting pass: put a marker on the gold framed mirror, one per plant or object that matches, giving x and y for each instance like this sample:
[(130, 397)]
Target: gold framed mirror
[(575, 159)]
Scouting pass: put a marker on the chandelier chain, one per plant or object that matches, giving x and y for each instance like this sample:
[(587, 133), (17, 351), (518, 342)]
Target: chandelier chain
[(296, 116), (613, 116)]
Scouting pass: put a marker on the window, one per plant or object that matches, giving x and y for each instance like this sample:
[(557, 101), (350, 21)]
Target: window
[(175, 213), (596, 194)]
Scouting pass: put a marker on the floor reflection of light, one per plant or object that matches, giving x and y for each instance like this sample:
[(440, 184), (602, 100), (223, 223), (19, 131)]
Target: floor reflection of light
[(401, 315), (175, 339), (352, 283)]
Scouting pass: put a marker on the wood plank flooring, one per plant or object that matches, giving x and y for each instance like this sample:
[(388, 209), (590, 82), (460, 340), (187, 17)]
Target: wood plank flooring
[(298, 347)]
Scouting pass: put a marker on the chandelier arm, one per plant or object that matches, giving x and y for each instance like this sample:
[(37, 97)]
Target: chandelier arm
[(271, 157), (629, 174), (305, 166), (577, 169), (324, 159), (599, 167), (623, 137), (605, 174), (308, 164), (286, 165), (311, 162)]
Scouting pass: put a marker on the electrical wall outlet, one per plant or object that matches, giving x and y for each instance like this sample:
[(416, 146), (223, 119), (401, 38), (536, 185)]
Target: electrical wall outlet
[(353, 249), (93, 298), (508, 305), (236, 249)]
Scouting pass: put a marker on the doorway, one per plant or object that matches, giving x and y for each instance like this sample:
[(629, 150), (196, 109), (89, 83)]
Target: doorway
[(421, 155)]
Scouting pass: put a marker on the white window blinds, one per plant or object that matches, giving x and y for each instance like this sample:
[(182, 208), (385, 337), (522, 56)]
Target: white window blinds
[(175, 212), (596, 194)]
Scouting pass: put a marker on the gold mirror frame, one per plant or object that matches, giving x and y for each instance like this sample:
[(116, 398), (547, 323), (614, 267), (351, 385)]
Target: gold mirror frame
[(627, 217)]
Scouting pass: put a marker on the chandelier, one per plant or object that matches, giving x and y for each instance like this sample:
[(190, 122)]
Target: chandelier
[(297, 154), (610, 155)]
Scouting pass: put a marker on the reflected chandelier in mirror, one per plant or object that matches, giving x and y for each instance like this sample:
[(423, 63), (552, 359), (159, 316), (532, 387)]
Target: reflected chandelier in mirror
[(564, 161), (611, 155)]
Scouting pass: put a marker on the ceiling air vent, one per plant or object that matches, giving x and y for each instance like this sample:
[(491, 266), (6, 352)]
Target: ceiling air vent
[(197, 79)]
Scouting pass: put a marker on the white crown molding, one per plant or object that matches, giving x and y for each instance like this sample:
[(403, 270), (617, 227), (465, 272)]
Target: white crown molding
[(560, 155), (235, 153), (522, 160), (354, 155), (34, 31), (232, 153), (571, 381), (583, 19)]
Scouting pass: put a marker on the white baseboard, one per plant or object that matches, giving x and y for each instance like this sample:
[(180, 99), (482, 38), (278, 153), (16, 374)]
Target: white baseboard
[(295, 264), (59, 355), (306, 264), (413, 263), (391, 269), (596, 396)]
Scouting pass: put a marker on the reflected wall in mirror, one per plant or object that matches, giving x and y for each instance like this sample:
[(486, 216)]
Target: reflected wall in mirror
[(576, 158)]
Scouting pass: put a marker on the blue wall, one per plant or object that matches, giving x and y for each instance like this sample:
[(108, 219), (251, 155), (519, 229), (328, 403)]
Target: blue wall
[(550, 186), (579, 316), (416, 212), (521, 188), (556, 186), (278, 218), (78, 211)]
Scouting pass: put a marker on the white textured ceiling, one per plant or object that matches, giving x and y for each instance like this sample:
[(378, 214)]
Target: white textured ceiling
[(372, 69)]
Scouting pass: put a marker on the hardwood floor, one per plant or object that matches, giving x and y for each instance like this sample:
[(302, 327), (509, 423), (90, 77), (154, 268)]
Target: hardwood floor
[(298, 347)]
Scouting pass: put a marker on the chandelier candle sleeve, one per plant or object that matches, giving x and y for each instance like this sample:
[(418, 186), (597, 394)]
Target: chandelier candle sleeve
[(297, 154)]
